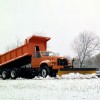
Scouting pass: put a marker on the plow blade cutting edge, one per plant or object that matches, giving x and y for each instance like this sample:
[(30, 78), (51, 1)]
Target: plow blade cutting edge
[(63, 71)]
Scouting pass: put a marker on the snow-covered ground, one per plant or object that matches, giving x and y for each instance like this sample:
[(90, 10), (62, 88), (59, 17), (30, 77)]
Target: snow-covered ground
[(68, 87)]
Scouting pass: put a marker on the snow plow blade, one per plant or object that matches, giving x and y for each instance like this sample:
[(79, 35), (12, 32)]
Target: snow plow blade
[(63, 71)]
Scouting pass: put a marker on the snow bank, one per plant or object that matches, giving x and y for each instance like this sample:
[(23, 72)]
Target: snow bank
[(69, 76)]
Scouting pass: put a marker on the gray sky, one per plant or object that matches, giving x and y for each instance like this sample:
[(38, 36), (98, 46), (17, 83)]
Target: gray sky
[(62, 20)]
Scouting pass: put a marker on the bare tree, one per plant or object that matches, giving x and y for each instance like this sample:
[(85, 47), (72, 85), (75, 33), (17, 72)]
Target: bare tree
[(85, 46), (90, 63), (14, 45)]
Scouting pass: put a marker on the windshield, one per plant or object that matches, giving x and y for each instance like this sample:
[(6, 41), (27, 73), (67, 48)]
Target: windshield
[(48, 54)]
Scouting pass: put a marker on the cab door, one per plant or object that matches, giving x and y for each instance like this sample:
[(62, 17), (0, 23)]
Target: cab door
[(36, 59)]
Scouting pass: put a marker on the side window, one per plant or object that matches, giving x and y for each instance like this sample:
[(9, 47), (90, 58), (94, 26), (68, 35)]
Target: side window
[(37, 55)]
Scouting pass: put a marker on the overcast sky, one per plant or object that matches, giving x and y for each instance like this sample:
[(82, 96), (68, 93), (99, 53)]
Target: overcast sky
[(62, 20)]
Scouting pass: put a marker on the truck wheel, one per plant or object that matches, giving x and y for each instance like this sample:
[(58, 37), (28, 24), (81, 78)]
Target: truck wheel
[(45, 71), (5, 74), (14, 74)]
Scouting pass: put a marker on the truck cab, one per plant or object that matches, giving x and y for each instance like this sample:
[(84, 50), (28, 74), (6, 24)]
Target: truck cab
[(50, 61), (31, 59)]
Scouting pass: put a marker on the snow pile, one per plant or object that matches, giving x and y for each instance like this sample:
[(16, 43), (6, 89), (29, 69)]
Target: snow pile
[(41, 78), (78, 76), (69, 76)]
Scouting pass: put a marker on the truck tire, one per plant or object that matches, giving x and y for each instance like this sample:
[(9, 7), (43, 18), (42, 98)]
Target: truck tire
[(14, 73), (45, 71), (5, 74)]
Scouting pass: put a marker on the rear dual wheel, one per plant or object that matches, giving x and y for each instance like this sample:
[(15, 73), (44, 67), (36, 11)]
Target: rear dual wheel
[(5, 74), (14, 73)]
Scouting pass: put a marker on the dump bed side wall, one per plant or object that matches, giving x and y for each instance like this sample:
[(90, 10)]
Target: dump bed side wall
[(14, 54), (27, 49)]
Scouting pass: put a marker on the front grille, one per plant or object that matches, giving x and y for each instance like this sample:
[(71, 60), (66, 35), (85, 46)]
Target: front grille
[(62, 62)]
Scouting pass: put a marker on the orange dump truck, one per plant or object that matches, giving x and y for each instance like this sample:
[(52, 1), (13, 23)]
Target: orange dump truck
[(30, 60)]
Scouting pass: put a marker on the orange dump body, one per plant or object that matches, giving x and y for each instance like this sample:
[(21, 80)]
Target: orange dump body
[(25, 51)]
